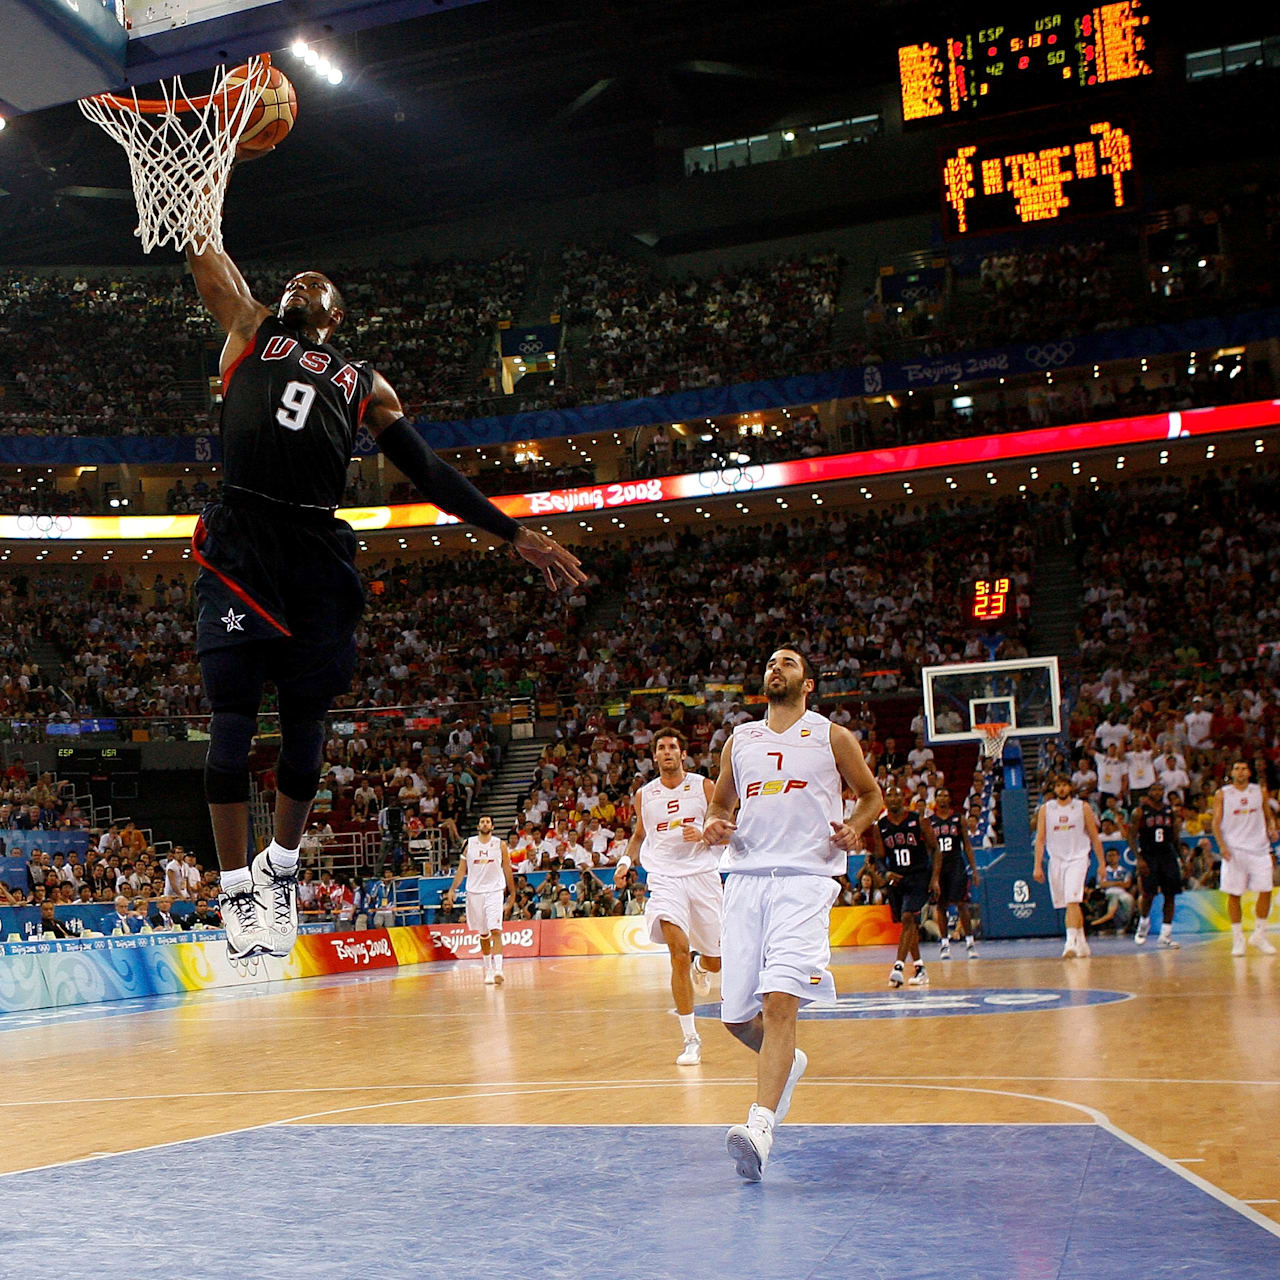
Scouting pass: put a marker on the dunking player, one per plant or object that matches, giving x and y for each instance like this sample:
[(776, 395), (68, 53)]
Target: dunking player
[(486, 863), (1245, 829), (904, 843), (1154, 832), (958, 871), (785, 773), (278, 592), (685, 897), (1067, 828)]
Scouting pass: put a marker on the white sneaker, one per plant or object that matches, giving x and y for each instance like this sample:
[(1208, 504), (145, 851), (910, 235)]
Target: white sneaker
[(1141, 936), (972, 950), (1237, 946), (1262, 942), (944, 949), (700, 977), (918, 979), (1069, 950), (489, 977), (1168, 942), (1084, 949), (896, 977), (242, 918), (692, 1054), (497, 978), (749, 1145), (279, 895), (799, 1064)]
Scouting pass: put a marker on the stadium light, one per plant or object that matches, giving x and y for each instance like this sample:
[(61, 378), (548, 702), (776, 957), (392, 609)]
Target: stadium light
[(299, 49)]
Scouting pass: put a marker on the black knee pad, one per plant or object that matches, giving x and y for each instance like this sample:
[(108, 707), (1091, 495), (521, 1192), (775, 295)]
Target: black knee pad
[(301, 754), (226, 766)]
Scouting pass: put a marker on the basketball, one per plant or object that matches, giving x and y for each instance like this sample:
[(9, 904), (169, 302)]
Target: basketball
[(272, 115)]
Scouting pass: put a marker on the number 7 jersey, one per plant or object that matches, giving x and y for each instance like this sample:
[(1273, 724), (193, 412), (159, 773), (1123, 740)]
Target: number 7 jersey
[(290, 412), (789, 795)]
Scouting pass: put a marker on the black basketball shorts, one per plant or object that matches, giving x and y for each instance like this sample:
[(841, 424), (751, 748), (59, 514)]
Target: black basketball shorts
[(1163, 875), (954, 881), (909, 894)]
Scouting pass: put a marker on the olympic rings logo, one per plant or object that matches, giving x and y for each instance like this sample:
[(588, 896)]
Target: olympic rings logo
[(531, 346), (1052, 353), (732, 479), (44, 526)]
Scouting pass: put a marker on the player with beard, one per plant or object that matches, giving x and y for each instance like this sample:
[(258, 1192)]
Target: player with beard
[(783, 776), (278, 593), (1154, 833), (904, 844)]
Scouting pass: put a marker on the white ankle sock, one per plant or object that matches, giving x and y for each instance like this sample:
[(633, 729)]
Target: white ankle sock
[(1259, 927), (496, 958), (968, 939), (1166, 931), (1237, 931), (486, 961), (237, 881), (687, 1024), (281, 858)]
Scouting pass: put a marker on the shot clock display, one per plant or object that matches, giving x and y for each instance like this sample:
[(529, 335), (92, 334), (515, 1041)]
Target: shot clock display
[(991, 599), (1011, 65), (998, 186)]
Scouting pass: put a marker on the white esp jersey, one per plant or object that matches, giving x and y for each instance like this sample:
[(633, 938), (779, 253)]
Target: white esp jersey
[(484, 865), (665, 811), (789, 795), (1244, 825), (1064, 835)]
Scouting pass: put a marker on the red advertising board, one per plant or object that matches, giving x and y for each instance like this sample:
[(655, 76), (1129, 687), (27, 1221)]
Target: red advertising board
[(519, 938)]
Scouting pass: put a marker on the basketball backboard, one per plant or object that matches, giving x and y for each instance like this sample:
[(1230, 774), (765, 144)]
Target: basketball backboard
[(1022, 693)]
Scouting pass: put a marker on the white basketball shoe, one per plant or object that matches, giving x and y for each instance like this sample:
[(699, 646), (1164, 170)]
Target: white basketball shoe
[(749, 1144), (242, 918), (278, 892)]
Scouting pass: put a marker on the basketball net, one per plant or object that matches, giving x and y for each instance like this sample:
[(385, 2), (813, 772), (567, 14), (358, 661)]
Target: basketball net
[(994, 736), (180, 151)]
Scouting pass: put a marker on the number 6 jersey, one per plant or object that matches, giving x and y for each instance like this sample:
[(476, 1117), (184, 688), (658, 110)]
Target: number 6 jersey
[(789, 795), (290, 412)]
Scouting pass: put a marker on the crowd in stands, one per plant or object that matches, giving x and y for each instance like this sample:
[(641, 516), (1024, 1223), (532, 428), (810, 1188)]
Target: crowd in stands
[(800, 436), (1178, 648), (650, 335)]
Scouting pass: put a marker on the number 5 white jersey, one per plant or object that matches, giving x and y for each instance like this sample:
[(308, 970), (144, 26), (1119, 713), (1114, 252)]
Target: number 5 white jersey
[(789, 795), (665, 811)]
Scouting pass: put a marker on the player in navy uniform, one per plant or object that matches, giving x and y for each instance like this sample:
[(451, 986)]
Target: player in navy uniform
[(903, 843), (278, 591), (1154, 834), (959, 869)]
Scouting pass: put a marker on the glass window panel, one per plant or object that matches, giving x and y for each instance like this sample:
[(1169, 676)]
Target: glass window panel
[(1204, 63)]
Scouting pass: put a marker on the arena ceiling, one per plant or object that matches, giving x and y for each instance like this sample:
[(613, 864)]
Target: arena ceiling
[(444, 116)]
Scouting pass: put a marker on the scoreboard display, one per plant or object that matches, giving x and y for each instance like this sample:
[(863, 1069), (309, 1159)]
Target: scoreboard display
[(1000, 65), (1076, 169), (991, 599)]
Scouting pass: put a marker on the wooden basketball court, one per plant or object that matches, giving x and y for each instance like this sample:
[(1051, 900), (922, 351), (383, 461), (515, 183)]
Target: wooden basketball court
[(1178, 1063)]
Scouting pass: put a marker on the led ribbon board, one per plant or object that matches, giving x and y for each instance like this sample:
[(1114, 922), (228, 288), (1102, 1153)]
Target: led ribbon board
[(740, 481), (1000, 65), (1079, 169)]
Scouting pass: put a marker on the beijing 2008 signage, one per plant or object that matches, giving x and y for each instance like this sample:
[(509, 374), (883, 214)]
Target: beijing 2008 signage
[(749, 478)]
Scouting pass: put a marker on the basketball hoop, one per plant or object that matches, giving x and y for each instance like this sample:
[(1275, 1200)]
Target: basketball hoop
[(180, 151), (994, 736)]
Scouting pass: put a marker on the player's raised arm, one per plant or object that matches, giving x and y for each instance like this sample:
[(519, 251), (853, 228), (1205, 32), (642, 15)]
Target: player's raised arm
[(226, 294), (724, 800), (852, 765), (450, 490)]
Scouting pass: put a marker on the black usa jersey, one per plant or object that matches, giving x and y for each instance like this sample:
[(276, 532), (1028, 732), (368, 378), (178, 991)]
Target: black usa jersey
[(950, 839), (904, 847), (1155, 830), (290, 412)]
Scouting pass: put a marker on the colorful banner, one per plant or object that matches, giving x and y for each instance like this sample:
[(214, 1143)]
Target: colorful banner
[(597, 936), (863, 927), (751, 478), (1205, 911), (519, 938)]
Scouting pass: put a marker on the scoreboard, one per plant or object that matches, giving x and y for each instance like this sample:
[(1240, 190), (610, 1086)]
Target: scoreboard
[(999, 65), (1077, 169), (990, 599)]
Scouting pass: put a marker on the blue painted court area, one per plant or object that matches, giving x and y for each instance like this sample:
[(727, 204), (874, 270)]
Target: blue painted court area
[(938, 1002), (1006, 1202)]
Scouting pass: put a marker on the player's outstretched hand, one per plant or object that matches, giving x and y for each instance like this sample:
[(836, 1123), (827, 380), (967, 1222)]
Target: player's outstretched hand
[(845, 837), (718, 831), (559, 567)]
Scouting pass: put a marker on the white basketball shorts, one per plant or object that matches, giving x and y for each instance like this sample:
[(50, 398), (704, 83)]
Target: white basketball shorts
[(1246, 872), (1066, 880), (692, 903), (776, 938), (484, 911)]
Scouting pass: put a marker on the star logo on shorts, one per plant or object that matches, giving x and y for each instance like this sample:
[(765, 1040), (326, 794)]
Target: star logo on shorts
[(233, 620)]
